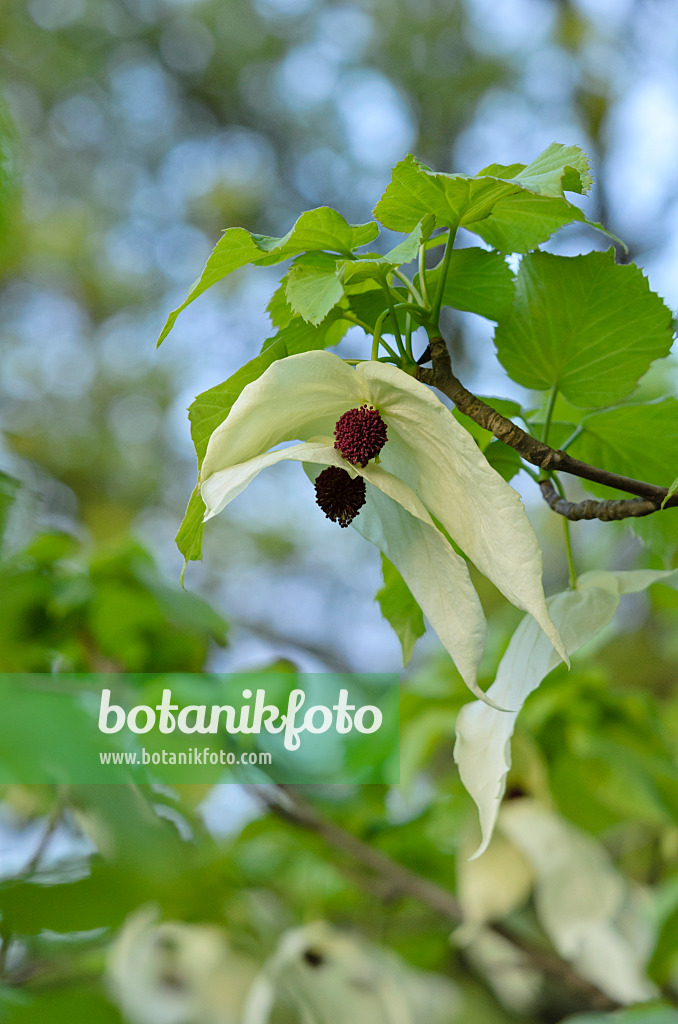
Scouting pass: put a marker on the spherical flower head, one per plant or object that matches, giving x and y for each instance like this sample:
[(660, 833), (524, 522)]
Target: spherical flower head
[(339, 497), (360, 435)]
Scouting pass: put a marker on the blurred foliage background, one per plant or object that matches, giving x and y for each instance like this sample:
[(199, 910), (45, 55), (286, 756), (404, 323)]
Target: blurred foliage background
[(132, 132)]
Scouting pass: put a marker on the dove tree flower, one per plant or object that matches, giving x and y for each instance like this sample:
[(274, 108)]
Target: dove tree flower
[(172, 972), (332, 977), (385, 455), (388, 458)]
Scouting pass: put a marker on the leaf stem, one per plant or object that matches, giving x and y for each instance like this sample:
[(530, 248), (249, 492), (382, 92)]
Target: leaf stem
[(391, 307), (567, 537), (422, 275), (377, 339), (411, 287), (576, 433), (571, 567), (530, 472), (550, 405), (408, 337), (411, 307), (445, 264), (433, 243), (5, 941), (352, 318), (381, 359)]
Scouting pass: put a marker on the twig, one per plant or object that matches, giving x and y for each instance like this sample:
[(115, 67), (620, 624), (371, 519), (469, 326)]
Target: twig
[(607, 510), (329, 656), (528, 447), (30, 868), (5, 943), (50, 828), (286, 803)]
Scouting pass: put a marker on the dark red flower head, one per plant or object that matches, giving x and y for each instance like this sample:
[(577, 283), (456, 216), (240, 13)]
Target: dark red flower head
[(360, 435), (339, 497)]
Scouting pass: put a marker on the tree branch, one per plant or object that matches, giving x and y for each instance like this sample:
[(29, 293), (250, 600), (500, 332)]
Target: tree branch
[(612, 508), (286, 803), (534, 451)]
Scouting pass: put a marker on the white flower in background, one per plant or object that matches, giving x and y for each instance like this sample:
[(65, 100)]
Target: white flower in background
[(175, 973), (593, 917), (330, 977), (396, 459), (489, 888), (507, 970)]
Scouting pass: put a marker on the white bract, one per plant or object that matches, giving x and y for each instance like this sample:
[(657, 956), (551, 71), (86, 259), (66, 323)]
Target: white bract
[(483, 747), (170, 972), (430, 467), (593, 917), (331, 977)]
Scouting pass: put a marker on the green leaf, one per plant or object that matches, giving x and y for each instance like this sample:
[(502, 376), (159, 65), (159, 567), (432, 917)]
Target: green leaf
[(78, 1003), (46, 736), (477, 282), (659, 533), (415, 191), (521, 221), (505, 460), (408, 249), (664, 954), (236, 248), (190, 534), (400, 609), (278, 308), (585, 324), (637, 440), (8, 491), (377, 267), (513, 213), (213, 406), (316, 230), (313, 291), (300, 336), (672, 490), (646, 1014), (559, 168)]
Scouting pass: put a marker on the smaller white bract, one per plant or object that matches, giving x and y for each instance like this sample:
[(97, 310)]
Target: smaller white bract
[(429, 468), (172, 972), (331, 977)]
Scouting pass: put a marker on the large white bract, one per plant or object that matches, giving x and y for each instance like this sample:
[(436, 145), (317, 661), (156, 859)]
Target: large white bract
[(483, 747), (429, 468)]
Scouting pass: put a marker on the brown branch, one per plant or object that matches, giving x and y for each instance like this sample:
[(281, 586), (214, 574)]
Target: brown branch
[(401, 881), (612, 508), (528, 447), (398, 880)]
